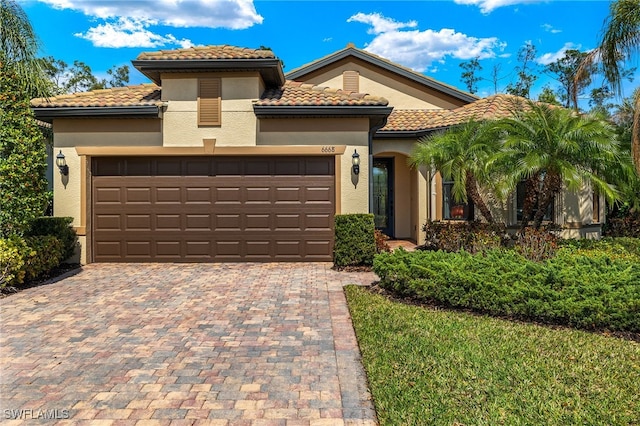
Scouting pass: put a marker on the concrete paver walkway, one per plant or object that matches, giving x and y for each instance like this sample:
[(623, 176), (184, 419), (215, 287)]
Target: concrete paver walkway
[(237, 344)]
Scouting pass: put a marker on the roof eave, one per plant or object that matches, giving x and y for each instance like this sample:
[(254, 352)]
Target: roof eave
[(293, 75), (279, 111), (406, 134), (47, 114), (270, 68)]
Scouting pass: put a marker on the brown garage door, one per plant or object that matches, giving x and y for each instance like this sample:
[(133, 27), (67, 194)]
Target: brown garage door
[(212, 209)]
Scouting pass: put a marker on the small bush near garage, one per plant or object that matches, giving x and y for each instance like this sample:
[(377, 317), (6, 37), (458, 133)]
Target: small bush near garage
[(585, 290), (24, 259), (355, 242), (59, 227)]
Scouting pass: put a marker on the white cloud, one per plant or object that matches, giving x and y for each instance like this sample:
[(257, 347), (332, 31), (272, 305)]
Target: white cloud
[(130, 21), (380, 24), (550, 29), (126, 32), (488, 6), (548, 58), (420, 49)]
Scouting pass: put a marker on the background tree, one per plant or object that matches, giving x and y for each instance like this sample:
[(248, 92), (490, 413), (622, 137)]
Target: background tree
[(79, 77), (564, 70), (620, 41), (19, 48), (526, 72), (468, 76)]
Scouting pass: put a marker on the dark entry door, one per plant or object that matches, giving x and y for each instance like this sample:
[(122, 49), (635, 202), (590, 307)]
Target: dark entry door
[(383, 195)]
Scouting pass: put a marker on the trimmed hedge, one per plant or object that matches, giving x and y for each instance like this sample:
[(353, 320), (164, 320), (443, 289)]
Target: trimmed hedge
[(27, 258), (59, 227), (355, 242), (472, 237), (590, 291)]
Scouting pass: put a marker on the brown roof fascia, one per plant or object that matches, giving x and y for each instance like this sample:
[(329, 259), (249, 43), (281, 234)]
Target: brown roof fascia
[(143, 111), (351, 50)]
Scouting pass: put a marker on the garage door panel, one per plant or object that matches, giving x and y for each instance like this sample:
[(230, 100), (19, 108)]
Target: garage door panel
[(198, 195), (168, 222), (108, 195), (171, 195), (138, 222), (213, 209)]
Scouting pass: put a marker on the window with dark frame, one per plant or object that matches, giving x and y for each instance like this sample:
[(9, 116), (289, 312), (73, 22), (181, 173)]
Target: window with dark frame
[(452, 210), (520, 194)]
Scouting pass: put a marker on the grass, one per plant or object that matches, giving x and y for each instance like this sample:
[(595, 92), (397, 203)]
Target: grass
[(438, 367)]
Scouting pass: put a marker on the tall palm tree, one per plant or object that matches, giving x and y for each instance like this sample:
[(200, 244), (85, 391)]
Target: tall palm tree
[(620, 42), (551, 148), (460, 154), (18, 48)]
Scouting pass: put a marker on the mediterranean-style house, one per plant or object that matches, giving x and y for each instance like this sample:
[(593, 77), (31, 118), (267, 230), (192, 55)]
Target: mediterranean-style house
[(225, 158)]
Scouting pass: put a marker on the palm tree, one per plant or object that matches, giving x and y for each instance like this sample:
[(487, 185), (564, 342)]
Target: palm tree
[(19, 47), (551, 148), (620, 42), (460, 154)]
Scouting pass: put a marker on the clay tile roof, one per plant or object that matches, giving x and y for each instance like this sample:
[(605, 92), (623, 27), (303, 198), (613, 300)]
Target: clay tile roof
[(207, 52), (141, 95), (295, 93), (490, 108)]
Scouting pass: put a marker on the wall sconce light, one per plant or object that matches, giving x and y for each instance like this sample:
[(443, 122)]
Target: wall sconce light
[(61, 162), (355, 161)]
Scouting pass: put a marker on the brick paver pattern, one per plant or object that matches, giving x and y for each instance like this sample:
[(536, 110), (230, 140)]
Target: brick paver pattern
[(220, 344)]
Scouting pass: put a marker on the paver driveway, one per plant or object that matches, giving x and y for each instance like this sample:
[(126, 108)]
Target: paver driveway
[(214, 344)]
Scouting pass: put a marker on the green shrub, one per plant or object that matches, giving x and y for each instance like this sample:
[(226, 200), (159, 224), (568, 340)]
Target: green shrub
[(26, 258), (59, 227), (586, 291), (472, 237), (355, 243), (45, 253), (11, 263)]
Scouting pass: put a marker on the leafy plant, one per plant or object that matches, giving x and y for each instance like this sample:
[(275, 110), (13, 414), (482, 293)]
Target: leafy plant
[(59, 227), (355, 243)]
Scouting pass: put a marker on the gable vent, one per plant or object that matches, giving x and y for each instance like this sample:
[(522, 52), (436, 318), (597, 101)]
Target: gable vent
[(209, 102), (351, 81)]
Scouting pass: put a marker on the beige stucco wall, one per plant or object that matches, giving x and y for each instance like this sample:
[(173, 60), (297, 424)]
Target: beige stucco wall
[(71, 132), (180, 118)]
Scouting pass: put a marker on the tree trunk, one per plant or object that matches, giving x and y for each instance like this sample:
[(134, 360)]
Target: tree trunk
[(474, 194), (635, 134), (551, 186), (530, 199)]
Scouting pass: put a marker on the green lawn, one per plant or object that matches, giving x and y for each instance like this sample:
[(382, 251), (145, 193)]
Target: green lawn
[(437, 367)]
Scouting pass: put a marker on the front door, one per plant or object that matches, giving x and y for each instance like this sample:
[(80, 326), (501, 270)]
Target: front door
[(383, 195)]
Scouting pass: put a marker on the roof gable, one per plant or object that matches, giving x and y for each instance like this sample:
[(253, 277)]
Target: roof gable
[(351, 52)]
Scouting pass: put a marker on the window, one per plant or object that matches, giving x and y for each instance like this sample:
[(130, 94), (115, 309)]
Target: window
[(596, 207), (209, 102), (452, 210), (520, 194)]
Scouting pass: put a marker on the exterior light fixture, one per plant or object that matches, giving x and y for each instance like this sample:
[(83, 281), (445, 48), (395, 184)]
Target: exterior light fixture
[(355, 161), (61, 162)]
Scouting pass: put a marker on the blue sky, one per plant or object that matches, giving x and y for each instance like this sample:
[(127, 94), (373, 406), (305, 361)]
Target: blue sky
[(432, 37)]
